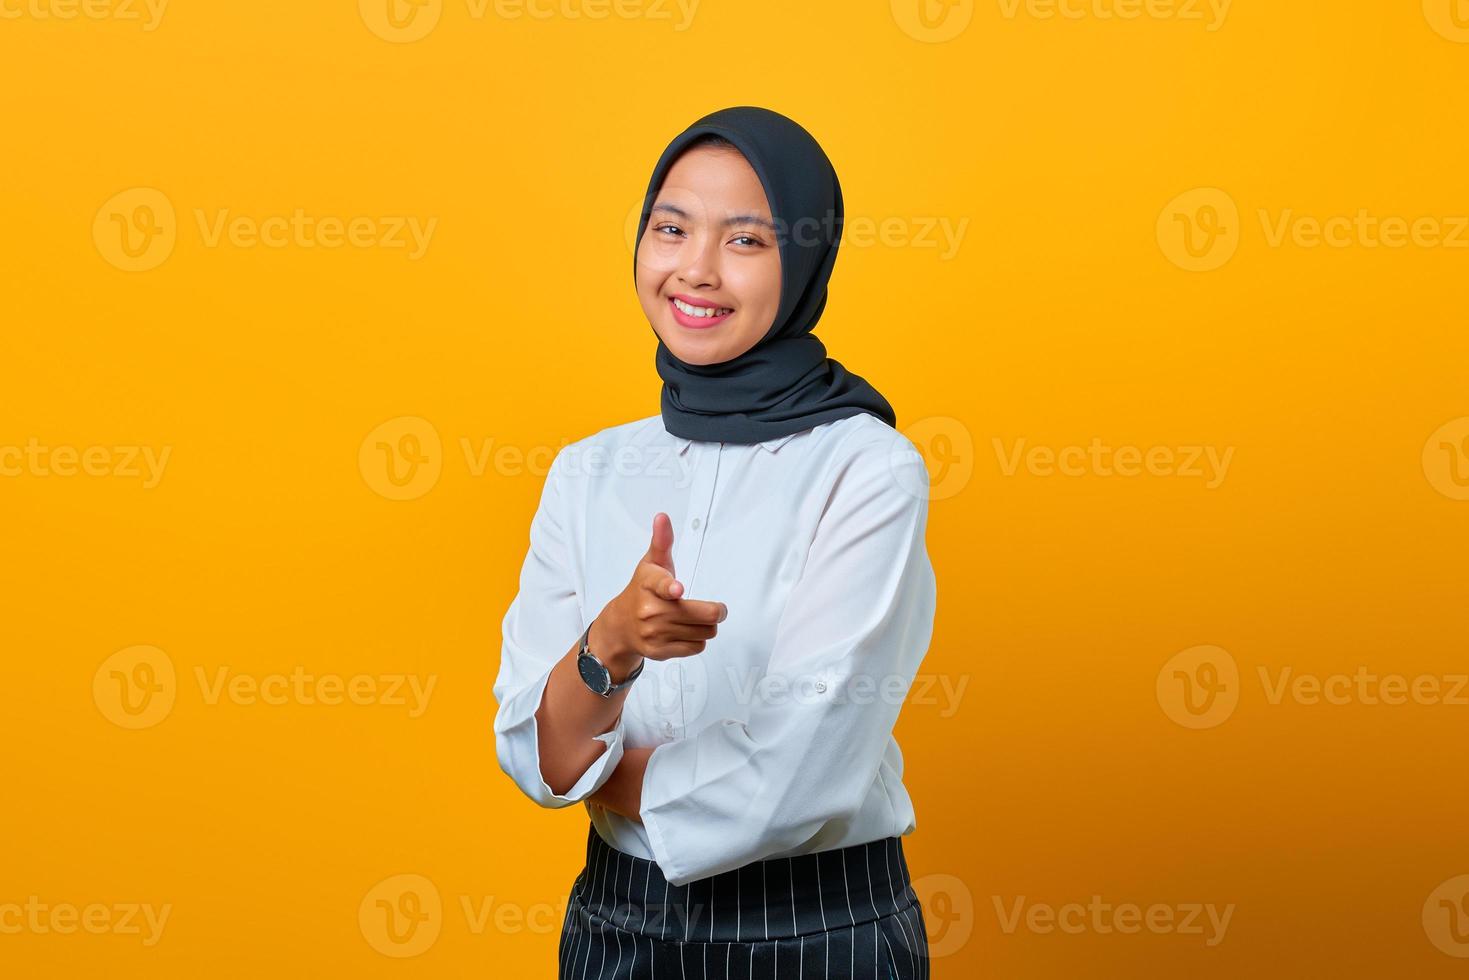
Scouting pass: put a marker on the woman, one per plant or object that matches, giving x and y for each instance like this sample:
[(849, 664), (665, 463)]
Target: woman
[(734, 751)]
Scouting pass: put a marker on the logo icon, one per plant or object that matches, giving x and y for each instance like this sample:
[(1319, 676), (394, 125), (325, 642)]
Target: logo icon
[(1199, 687), (1446, 916), (630, 226), (1450, 18), (948, 911), (1446, 459), (401, 21), (135, 687), (401, 916), (1199, 229), (136, 229), (675, 691), (685, 201), (402, 458), (933, 21), (947, 448)]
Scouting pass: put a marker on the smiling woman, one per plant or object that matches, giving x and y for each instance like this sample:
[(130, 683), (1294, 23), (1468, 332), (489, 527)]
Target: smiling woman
[(744, 212), (735, 753), (709, 256)]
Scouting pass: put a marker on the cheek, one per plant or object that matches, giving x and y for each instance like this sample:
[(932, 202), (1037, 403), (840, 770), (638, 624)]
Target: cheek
[(650, 274), (656, 262), (759, 289)]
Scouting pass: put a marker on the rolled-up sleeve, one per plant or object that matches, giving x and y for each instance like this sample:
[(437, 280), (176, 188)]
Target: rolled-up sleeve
[(846, 651), (541, 624)]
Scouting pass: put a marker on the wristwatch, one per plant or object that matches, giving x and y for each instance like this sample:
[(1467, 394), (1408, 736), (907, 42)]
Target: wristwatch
[(595, 673)]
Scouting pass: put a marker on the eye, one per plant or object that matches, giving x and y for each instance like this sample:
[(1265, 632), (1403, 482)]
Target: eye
[(667, 225), (750, 239)]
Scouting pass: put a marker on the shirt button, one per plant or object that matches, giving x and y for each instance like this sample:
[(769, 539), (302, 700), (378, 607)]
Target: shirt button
[(667, 728), (696, 524), (820, 687)]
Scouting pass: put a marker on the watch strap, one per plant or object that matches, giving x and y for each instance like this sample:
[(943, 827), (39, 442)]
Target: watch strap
[(612, 689)]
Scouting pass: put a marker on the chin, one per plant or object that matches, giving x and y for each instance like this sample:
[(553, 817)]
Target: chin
[(695, 356)]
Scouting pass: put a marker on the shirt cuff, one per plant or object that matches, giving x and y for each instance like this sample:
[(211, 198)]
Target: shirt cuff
[(520, 750), (678, 821)]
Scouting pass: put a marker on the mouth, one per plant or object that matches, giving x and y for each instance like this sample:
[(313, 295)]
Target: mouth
[(697, 314)]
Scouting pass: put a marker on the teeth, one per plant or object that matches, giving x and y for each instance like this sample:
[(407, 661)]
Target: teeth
[(699, 311)]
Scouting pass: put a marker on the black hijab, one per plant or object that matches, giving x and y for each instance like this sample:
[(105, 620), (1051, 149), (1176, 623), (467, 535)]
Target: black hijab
[(785, 383)]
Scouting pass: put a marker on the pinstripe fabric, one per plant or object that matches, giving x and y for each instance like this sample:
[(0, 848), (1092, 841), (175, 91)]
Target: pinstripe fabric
[(850, 912)]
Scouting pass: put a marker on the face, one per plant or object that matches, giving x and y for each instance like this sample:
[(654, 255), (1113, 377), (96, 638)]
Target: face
[(710, 248)]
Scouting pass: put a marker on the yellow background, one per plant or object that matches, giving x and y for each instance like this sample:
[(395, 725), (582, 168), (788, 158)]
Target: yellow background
[(1336, 539)]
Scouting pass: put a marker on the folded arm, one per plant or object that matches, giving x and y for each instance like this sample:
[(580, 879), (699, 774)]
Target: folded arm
[(557, 739), (847, 648)]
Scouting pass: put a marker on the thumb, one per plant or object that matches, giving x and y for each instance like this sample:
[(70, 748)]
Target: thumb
[(667, 587), (660, 551)]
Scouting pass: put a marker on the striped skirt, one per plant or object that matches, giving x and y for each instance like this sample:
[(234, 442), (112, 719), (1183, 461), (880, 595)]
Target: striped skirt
[(849, 912)]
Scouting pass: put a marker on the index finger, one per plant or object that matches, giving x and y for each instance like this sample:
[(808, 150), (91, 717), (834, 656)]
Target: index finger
[(701, 611)]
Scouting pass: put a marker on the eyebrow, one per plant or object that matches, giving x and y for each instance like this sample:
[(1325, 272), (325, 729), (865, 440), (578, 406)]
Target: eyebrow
[(730, 222)]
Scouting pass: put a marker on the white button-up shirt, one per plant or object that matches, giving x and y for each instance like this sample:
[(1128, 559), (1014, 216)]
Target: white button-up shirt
[(777, 738)]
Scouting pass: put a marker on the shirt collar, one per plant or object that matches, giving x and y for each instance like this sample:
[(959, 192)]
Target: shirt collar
[(770, 445)]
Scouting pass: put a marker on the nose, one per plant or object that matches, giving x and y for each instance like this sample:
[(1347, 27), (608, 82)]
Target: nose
[(699, 266)]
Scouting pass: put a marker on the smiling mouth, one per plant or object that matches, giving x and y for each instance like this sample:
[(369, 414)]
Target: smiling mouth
[(703, 312)]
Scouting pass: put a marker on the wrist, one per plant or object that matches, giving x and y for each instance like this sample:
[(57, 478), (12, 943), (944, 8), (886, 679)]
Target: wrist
[(619, 658)]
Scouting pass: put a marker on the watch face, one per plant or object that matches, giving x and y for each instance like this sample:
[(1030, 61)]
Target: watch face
[(596, 676)]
